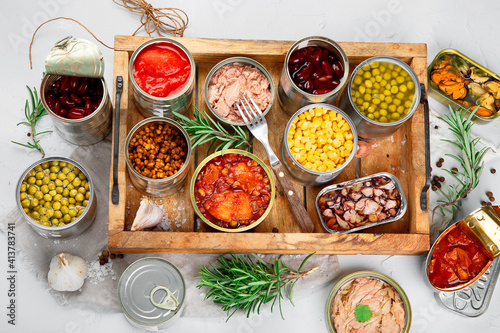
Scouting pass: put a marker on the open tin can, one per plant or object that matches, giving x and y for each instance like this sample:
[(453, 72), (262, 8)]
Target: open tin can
[(151, 292), (77, 58), (150, 105), (469, 248)]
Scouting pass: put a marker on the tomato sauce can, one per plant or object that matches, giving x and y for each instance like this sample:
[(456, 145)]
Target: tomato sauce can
[(79, 58), (151, 292), (150, 105), (291, 97)]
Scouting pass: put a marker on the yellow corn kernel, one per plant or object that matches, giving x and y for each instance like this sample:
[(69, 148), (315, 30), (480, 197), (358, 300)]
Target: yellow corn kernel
[(296, 150), (327, 124), (349, 136), (323, 156), (322, 168), (304, 125), (346, 127), (309, 165), (308, 146), (310, 158), (302, 116), (295, 120), (290, 144), (317, 122), (310, 112), (336, 143)]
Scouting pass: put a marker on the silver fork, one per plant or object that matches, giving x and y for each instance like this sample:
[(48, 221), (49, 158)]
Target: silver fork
[(256, 123)]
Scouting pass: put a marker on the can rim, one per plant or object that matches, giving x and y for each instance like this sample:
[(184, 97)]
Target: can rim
[(129, 268), (130, 134), (244, 60), (138, 50), (368, 273), (68, 225), (326, 40), (332, 108), (403, 65), (241, 152)]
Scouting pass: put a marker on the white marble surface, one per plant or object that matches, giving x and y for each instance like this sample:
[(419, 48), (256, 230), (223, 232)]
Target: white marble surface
[(447, 24)]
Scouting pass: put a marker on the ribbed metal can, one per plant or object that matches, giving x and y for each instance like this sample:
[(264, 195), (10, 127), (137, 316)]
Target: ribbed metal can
[(79, 58), (151, 106), (291, 97), (151, 292)]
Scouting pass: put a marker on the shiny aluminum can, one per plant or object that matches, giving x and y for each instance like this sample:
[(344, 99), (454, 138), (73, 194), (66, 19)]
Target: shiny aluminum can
[(85, 131), (300, 173), (72, 229), (151, 106), (368, 129), (291, 97), (151, 292), (368, 274), (162, 186)]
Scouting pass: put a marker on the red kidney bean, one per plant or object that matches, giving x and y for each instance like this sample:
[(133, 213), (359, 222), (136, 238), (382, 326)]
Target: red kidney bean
[(316, 58), (84, 86), (65, 84), (300, 85), (326, 78), (76, 98), (335, 83), (332, 58), (324, 54), (88, 107), (337, 69), (50, 101), (99, 91), (74, 83), (304, 72), (66, 101), (76, 113), (320, 91), (86, 97), (327, 68), (294, 68), (308, 85), (56, 85), (63, 112), (317, 73), (298, 56), (310, 51), (57, 106)]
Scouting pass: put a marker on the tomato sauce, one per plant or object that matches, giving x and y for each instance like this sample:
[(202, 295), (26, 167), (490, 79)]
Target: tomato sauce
[(456, 260), (232, 191), (162, 69)]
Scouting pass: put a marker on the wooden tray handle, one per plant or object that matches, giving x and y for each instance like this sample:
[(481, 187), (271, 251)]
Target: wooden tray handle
[(298, 209)]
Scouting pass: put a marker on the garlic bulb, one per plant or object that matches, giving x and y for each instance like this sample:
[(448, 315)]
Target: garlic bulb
[(148, 215), (67, 272)]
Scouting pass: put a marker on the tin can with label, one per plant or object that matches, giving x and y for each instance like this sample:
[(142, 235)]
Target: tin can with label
[(151, 292), (81, 61)]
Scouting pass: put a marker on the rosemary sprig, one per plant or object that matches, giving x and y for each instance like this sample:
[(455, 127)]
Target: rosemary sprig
[(470, 160), (33, 115), (240, 283), (204, 129)]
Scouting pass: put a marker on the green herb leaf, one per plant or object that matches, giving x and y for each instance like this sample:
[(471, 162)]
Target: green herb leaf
[(362, 313)]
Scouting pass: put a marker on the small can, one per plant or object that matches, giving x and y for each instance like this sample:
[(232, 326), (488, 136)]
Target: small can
[(78, 58), (162, 186), (152, 106), (291, 97), (338, 187), (151, 292), (371, 275), (369, 129), (299, 172), (69, 230), (244, 61)]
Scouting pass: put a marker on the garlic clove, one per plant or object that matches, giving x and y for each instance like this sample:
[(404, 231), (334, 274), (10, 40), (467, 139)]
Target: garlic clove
[(148, 215), (67, 272)]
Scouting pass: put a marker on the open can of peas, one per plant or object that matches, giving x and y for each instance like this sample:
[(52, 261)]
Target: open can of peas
[(382, 93), (57, 198)]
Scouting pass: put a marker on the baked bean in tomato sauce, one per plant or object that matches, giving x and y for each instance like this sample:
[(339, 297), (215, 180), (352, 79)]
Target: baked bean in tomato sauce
[(232, 191)]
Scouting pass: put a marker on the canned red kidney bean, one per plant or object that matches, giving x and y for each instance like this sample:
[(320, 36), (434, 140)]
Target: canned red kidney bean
[(315, 69), (74, 97), (157, 151)]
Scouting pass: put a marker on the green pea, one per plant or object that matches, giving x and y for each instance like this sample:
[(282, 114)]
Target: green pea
[(66, 218), (79, 197), (34, 202), (82, 176), (54, 169), (23, 196), (53, 176), (64, 202), (39, 182), (56, 205), (45, 165), (25, 203), (61, 176), (49, 213), (58, 214), (52, 193), (35, 215), (38, 195), (72, 212), (64, 210)]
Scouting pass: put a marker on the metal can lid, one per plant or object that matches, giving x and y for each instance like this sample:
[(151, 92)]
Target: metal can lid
[(76, 57), (151, 291)]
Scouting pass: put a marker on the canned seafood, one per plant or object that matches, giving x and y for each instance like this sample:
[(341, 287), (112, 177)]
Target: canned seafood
[(180, 101), (151, 292), (291, 96), (375, 99), (70, 229)]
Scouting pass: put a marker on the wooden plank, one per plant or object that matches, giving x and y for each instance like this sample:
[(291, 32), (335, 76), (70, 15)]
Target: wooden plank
[(292, 243)]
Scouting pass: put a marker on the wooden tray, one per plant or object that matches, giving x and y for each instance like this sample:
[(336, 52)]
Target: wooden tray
[(402, 154)]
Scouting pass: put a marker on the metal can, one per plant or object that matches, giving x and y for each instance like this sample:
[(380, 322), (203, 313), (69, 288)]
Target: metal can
[(245, 61), (368, 129), (368, 274), (72, 229), (151, 106), (441, 97), (158, 186), (151, 292), (338, 187), (300, 173), (291, 97)]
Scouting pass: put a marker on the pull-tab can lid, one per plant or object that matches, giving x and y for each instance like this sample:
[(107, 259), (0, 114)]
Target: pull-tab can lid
[(151, 291), (75, 57)]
